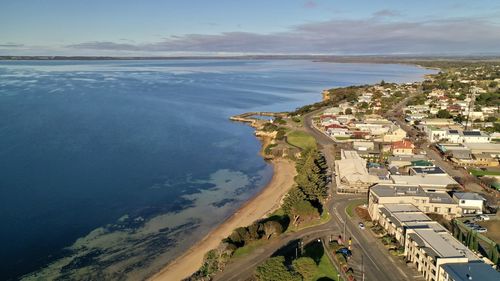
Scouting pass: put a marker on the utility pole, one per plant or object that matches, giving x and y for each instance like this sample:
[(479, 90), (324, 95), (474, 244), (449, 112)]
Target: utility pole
[(345, 221), (363, 266)]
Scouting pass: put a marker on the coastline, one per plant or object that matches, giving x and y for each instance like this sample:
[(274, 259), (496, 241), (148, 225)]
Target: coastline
[(265, 202)]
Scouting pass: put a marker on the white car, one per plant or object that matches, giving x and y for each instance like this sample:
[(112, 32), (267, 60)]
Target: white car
[(483, 217), (361, 225)]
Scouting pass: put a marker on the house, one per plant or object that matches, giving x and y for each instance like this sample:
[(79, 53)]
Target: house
[(427, 170), (435, 134), (404, 160), (403, 147), (437, 122), (395, 134), (469, 202), (475, 137), (363, 145)]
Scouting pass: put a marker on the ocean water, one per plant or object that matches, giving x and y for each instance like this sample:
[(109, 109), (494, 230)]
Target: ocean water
[(110, 169)]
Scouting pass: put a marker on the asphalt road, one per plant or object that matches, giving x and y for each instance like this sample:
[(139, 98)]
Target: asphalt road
[(377, 264)]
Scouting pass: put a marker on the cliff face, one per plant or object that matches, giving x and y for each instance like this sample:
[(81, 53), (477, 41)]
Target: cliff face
[(326, 95)]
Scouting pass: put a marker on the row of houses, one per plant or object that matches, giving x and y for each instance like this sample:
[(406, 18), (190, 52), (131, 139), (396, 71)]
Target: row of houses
[(338, 124), (437, 255)]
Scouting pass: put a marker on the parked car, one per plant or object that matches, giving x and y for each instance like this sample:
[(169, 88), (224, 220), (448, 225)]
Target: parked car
[(346, 252), (361, 225), (483, 217), (480, 229)]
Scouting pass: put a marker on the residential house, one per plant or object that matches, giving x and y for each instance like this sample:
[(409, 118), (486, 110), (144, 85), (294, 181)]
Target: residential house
[(470, 203), (403, 147)]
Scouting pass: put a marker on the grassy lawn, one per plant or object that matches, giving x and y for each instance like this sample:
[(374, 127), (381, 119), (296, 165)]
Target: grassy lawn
[(248, 249), (301, 139), (326, 270), (479, 173), (354, 203), (324, 218)]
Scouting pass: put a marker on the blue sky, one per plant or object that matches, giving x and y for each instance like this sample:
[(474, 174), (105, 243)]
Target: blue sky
[(149, 27)]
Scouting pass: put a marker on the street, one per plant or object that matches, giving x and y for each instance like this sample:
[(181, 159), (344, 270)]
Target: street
[(378, 264)]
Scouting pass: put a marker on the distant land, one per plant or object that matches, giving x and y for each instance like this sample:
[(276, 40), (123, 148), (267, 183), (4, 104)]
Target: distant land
[(329, 58)]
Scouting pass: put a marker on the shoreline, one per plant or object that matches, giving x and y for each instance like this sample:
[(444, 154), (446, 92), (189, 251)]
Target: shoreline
[(262, 204)]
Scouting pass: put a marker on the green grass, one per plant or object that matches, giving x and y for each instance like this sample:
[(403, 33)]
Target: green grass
[(354, 203), (248, 249), (479, 173), (301, 139), (324, 218), (326, 269), (342, 138)]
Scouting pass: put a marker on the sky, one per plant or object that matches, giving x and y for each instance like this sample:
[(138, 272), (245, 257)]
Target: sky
[(234, 27)]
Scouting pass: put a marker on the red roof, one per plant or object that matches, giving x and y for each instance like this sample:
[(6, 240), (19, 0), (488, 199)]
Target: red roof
[(403, 144), (360, 133), (333, 126)]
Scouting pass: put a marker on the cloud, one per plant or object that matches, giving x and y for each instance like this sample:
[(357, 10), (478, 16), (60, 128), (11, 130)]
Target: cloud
[(386, 13), (11, 45), (310, 4), (370, 36)]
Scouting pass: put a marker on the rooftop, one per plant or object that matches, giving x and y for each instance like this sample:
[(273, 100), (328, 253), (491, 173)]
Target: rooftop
[(428, 170), (483, 147), (468, 196), (424, 180), (387, 190), (437, 244), (471, 271), (396, 208)]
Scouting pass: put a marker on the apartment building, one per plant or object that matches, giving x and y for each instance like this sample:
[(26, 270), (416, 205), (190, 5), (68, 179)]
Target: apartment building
[(428, 202)]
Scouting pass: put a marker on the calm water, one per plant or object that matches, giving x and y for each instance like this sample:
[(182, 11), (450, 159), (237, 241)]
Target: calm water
[(115, 167)]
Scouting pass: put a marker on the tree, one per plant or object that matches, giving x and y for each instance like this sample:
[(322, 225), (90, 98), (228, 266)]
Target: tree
[(293, 197), (491, 119), (311, 178), (303, 211), (272, 228), (459, 118), (254, 231), (348, 111), (442, 113), (274, 269), (306, 267)]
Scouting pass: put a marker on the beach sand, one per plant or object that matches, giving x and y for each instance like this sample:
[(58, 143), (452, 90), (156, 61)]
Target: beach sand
[(267, 201)]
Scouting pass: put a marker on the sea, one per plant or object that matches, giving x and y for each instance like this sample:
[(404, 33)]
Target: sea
[(110, 169)]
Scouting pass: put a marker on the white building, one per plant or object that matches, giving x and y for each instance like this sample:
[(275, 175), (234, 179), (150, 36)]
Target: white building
[(470, 203)]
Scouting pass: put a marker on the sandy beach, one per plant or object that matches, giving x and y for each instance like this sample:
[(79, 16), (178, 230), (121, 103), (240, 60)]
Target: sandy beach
[(262, 204)]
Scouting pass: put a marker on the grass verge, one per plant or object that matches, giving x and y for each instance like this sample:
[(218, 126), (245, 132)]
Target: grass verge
[(354, 203), (301, 139)]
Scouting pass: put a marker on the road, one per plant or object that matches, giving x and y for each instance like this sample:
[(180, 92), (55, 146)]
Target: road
[(378, 265)]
